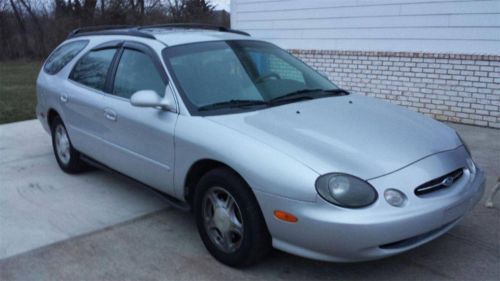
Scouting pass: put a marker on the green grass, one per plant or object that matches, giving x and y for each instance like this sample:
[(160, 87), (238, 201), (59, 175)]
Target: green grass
[(17, 90)]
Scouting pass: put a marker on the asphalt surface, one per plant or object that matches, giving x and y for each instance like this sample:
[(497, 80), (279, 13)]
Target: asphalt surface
[(100, 226)]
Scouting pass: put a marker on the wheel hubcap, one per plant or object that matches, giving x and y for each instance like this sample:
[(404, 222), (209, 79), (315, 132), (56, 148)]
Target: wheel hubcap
[(62, 144), (222, 219)]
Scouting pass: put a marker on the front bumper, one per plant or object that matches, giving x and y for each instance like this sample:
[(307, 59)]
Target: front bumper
[(330, 233)]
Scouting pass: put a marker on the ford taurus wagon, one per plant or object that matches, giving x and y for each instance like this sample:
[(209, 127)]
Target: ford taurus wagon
[(265, 151)]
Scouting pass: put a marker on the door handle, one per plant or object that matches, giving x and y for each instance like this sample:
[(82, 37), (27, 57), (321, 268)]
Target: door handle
[(110, 114), (64, 98)]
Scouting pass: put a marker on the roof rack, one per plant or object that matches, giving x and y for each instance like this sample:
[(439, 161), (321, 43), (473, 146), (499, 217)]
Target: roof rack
[(194, 26), (98, 28), (130, 30), (133, 30)]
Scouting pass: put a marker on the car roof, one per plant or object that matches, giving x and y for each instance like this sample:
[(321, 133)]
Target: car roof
[(168, 34), (185, 36)]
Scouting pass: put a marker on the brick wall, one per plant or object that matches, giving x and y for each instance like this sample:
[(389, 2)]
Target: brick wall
[(448, 87)]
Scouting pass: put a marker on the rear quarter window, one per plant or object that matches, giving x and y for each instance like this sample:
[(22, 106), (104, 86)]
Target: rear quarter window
[(63, 55)]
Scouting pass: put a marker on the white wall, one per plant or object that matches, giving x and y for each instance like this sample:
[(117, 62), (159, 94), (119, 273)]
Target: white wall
[(436, 26)]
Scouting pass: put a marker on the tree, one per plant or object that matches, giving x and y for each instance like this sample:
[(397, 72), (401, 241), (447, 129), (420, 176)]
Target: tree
[(31, 28), (88, 10), (38, 26), (22, 27), (176, 9), (190, 10), (198, 7)]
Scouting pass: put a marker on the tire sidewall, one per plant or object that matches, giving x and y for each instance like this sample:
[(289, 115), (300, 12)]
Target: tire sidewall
[(250, 212), (73, 165)]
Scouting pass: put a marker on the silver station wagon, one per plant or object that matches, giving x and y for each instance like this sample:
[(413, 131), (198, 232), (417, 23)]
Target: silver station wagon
[(263, 149)]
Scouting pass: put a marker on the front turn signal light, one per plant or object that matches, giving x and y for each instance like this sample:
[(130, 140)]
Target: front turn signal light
[(284, 216)]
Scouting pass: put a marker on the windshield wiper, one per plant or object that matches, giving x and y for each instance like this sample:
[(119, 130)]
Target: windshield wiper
[(295, 95), (290, 97), (231, 103), (337, 92), (305, 94)]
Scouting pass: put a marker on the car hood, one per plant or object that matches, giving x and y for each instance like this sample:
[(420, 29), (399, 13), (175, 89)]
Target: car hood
[(353, 134)]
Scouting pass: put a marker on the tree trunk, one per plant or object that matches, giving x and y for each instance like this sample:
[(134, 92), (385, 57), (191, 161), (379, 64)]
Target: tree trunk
[(141, 8), (38, 26), (88, 12), (59, 9), (102, 8), (22, 28)]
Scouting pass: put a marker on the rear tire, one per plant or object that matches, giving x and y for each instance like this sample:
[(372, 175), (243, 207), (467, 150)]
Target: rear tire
[(67, 157), (229, 219)]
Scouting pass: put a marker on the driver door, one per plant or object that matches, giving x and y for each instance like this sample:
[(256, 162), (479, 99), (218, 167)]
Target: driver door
[(141, 140)]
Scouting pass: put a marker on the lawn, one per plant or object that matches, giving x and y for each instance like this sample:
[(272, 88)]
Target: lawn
[(17, 90)]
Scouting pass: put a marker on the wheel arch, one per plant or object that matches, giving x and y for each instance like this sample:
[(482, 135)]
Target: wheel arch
[(197, 170), (51, 115)]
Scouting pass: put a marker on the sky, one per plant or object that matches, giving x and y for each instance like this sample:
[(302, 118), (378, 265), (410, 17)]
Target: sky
[(221, 4)]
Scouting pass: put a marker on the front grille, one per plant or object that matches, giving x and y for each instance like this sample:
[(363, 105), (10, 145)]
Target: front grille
[(439, 183)]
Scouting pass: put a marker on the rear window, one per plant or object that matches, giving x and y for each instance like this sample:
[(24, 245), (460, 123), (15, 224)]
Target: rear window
[(63, 55)]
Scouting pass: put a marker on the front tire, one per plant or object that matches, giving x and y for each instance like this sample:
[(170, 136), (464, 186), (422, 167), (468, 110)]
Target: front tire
[(67, 157), (229, 219)]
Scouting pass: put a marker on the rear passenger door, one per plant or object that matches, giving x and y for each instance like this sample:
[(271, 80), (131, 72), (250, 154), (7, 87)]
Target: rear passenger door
[(142, 138), (83, 99)]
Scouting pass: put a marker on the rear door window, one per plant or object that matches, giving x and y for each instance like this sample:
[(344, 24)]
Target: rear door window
[(92, 69), (63, 55)]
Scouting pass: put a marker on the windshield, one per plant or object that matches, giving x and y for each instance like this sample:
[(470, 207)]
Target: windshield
[(240, 75)]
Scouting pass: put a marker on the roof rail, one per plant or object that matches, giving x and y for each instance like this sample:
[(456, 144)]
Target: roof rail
[(130, 30), (134, 30), (194, 26)]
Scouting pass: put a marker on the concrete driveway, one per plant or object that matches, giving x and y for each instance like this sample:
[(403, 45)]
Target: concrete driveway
[(100, 226)]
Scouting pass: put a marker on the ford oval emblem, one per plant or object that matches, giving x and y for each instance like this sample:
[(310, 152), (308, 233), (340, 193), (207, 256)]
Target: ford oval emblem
[(448, 181)]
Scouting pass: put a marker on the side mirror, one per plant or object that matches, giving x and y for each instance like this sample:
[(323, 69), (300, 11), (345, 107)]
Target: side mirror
[(149, 98)]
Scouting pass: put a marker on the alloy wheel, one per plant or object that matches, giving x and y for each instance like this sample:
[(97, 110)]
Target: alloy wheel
[(62, 144), (222, 219)]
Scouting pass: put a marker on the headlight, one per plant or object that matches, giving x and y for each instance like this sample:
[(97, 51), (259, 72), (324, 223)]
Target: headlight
[(464, 143), (345, 190)]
